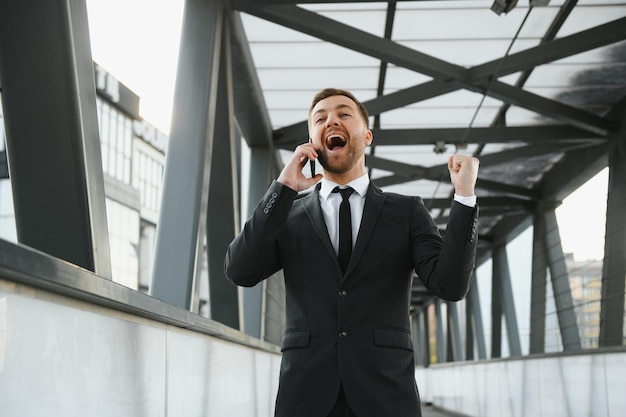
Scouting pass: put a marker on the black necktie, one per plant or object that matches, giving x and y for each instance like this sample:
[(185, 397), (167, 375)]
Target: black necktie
[(345, 227)]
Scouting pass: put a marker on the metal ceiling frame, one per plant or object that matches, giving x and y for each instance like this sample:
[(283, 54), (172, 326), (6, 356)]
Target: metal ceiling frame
[(576, 137)]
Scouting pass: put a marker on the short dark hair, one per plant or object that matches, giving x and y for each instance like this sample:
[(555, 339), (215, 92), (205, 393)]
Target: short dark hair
[(329, 92)]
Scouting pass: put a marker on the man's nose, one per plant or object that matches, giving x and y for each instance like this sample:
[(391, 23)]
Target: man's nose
[(332, 120)]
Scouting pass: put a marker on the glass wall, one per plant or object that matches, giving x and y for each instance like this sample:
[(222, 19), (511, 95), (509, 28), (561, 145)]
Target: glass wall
[(148, 176), (7, 218), (123, 223), (116, 137)]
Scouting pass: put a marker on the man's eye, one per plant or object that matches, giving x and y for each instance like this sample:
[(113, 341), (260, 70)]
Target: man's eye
[(345, 114), (319, 120)]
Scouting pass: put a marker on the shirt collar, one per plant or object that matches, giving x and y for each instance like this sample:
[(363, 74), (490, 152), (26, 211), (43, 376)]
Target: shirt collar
[(359, 185)]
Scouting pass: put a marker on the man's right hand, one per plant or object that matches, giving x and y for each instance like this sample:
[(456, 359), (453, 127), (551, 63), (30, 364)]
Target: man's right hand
[(292, 175)]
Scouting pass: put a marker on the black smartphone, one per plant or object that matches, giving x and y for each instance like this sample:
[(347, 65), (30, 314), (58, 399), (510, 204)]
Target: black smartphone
[(312, 162)]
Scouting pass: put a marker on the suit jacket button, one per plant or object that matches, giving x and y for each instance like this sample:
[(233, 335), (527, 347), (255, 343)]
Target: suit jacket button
[(343, 334), (343, 293)]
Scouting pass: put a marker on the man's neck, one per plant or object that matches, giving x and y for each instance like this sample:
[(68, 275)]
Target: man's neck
[(345, 177)]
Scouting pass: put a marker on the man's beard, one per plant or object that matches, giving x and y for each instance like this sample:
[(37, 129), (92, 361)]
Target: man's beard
[(341, 166)]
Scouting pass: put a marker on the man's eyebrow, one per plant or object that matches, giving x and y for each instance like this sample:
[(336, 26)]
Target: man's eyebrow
[(318, 111)]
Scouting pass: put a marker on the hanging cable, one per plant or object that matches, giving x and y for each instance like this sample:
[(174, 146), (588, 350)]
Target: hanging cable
[(492, 77)]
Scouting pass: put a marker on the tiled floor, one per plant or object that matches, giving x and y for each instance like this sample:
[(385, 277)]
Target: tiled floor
[(430, 411)]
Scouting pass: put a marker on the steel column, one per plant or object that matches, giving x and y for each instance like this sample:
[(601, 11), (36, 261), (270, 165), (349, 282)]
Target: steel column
[(538, 288), (416, 335), (469, 330), (475, 322), (560, 284), (454, 333), (441, 339), (496, 309), (53, 145), (426, 336), (501, 270), (180, 234), (614, 267), (223, 200), (259, 178)]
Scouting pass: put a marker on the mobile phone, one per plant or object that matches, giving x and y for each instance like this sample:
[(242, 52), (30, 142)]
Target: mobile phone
[(312, 162)]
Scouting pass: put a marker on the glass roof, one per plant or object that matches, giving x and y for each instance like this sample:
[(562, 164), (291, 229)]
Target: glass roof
[(547, 87)]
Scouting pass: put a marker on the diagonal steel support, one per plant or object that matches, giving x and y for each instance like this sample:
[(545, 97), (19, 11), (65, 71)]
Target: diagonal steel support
[(222, 219), (454, 333), (560, 283), (503, 291), (53, 144), (475, 323), (440, 333), (538, 288), (386, 50), (180, 235), (614, 266), (250, 108)]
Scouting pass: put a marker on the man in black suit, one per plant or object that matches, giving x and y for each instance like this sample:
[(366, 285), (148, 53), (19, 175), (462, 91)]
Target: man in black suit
[(347, 347)]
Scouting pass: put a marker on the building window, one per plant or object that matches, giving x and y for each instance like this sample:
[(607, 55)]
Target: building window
[(116, 136), (149, 180)]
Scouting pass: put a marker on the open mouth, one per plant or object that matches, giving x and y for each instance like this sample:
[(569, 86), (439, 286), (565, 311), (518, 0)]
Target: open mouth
[(335, 141)]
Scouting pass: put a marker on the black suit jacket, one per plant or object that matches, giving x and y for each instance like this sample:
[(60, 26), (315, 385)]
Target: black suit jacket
[(352, 329)]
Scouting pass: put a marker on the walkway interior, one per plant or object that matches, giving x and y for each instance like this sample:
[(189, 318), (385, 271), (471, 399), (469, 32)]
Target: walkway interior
[(104, 313)]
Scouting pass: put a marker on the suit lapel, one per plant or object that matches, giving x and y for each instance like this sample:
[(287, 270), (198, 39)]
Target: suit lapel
[(373, 203), (313, 209)]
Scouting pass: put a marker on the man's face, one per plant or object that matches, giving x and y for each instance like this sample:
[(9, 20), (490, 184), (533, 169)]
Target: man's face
[(340, 133)]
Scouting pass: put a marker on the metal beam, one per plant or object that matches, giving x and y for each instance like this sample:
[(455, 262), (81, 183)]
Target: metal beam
[(545, 52), (53, 145), (288, 138), (484, 135), (469, 330), (426, 342), (250, 108), (330, 30), (476, 320), (496, 307), (407, 170), (222, 218), (547, 107), (440, 333), (180, 234), (504, 188), (575, 168), (560, 283), (241, 3), (260, 175), (386, 50), (485, 202), (294, 133), (440, 172), (454, 333), (614, 265), (420, 338), (538, 287), (501, 269)]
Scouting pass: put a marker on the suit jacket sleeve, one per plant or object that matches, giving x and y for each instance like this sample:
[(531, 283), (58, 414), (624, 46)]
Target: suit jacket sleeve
[(446, 269), (253, 255)]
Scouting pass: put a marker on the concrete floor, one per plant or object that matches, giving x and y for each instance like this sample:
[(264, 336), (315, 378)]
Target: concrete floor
[(430, 411)]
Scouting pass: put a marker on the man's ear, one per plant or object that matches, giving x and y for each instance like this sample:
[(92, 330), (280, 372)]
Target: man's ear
[(369, 137)]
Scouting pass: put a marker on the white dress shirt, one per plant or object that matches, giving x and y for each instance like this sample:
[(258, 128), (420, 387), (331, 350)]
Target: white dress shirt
[(330, 202), (330, 206)]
